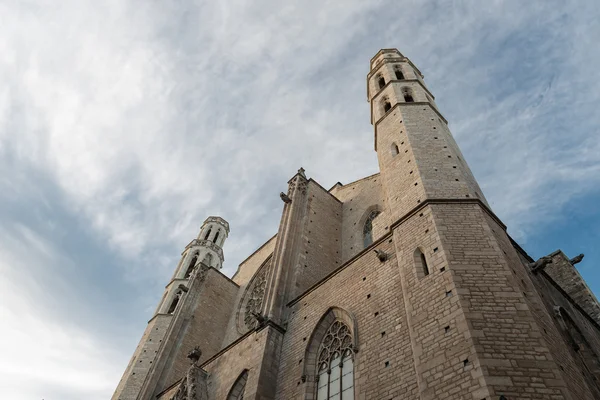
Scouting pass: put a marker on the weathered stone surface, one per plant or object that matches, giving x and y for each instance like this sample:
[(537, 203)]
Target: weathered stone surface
[(435, 299)]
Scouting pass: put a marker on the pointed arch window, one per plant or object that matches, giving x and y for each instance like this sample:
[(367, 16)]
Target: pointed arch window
[(408, 95), (381, 81), (174, 303), (368, 228), (207, 234), (386, 106), (191, 266), (335, 370), (238, 388), (421, 263), (216, 236), (399, 74)]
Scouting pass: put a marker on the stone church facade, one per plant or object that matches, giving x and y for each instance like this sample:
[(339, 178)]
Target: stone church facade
[(401, 285)]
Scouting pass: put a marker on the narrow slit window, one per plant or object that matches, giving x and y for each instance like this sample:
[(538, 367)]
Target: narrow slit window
[(174, 303), (191, 266), (207, 234), (368, 228), (216, 237), (395, 149), (421, 263)]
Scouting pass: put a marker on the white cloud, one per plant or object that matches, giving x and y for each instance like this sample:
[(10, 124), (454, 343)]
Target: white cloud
[(44, 356), (149, 117)]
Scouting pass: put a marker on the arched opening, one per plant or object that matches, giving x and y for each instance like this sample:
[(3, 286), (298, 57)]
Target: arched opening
[(208, 259), (174, 303), (191, 266), (238, 388), (399, 74), (368, 228), (421, 263), (395, 149), (408, 95), (329, 357), (207, 234), (386, 106), (216, 236), (381, 82)]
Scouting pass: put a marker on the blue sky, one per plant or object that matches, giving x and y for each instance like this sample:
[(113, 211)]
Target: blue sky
[(123, 124)]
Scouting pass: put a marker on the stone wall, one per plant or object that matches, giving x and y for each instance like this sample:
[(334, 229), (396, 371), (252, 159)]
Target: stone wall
[(258, 352), (569, 279), (359, 199), (369, 290), (321, 246), (204, 325)]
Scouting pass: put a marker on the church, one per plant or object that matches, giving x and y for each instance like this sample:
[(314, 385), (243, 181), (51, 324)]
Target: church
[(400, 285)]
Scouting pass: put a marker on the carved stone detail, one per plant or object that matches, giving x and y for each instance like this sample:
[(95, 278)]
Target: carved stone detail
[(195, 354), (540, 264), (336, 343), (217, 220), (382, 255), (255, 298), (209, 244), (577, 259), (286, 199)]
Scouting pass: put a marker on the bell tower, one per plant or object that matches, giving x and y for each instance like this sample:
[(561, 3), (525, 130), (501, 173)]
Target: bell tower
[(418, 156), (202, 253)]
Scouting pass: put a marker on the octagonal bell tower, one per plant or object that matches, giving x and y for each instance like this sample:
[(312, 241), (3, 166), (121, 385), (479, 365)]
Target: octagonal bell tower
[(202, 253), (206, 248)]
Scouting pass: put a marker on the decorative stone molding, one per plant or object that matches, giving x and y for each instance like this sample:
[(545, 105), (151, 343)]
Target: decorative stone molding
[(252, 301), (540, 264), (194, 384), (217, 220), (206, 243), (577, 259)]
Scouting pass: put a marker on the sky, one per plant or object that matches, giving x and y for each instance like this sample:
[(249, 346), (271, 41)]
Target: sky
[(124, 124)]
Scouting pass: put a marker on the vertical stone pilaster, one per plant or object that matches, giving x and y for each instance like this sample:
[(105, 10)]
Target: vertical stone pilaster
[(287, 248)]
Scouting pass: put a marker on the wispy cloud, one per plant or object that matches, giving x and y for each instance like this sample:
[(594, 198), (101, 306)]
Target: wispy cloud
[(124, 124)]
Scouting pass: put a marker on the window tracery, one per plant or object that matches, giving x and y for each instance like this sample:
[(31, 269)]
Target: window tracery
[(255, 298), (368, 228), (237, 391), (335, 370)]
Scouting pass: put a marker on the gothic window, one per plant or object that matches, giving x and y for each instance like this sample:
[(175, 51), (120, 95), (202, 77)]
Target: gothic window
[(421, 263), (237, 390), (386, 106), (254, 297), (190, 268), (399, 74), (174, 302), (381, 82), (408, 95), (216, 236), (335, 369), (368, 228), (395, 149), (207, 234)]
